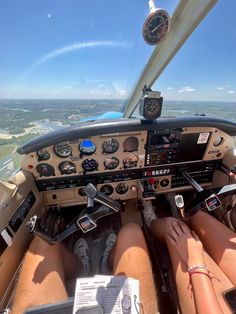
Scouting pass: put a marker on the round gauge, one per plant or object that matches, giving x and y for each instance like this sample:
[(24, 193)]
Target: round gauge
[(90, 164), (131, 144), (156, 27), (218, 141), (151, 108), (111, 162), (45, 170), (67, 167), (130, 161), (107, 189), (43, 154), (121, 188), (87, 147), (110, 146), (63, 149), (82, 191)]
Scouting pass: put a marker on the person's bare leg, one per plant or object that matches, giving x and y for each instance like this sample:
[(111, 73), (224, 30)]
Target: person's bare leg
[(41, 278), (218, 240), (131, 259), (220, 282)]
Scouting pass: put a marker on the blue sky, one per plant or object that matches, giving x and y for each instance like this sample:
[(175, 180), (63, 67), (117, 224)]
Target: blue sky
[(95, 49)]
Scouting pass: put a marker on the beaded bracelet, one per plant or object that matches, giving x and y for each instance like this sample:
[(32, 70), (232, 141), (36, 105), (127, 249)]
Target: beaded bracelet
[(193, 268)]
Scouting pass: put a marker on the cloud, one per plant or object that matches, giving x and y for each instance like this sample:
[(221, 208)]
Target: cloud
[(186, 89), (231, 92), (48, 14), (224, 87), (169, 88)]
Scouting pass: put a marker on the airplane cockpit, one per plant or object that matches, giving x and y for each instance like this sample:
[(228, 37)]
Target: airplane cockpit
[(91, 178)]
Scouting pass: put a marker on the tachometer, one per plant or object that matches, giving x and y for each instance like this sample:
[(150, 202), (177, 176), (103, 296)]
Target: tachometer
[(110, 146), (122, 188), (156, 27), (130, 161), (43, 154), (111, 162), (45, 170), (63, 149), (87, 147), (90, 164), (67, 167), (107, 189)]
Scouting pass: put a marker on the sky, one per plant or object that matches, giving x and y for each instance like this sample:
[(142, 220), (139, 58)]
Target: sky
[(95, 49)]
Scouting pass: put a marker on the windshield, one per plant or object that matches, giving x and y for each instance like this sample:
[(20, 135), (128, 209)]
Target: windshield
[(63, 62)]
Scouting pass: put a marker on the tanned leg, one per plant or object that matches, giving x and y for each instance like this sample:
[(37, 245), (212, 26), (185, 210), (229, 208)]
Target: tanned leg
[(218, 240), (220, 282), (41, 278), (131, 259)]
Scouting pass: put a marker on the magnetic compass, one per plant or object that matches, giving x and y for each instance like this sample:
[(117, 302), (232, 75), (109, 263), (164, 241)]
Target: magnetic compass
[(156, 26)]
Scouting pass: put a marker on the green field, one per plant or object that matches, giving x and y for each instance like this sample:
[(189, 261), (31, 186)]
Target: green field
[(6, 150)]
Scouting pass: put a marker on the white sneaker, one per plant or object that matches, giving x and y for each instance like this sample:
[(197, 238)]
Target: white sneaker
[(81, 249), (148, 212), (104, 265)]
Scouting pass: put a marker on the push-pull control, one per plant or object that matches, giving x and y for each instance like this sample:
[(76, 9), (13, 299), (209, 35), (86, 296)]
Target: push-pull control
[(85, 221)]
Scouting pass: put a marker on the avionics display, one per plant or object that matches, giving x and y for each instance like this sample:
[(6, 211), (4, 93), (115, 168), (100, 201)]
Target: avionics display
[(175, 147)]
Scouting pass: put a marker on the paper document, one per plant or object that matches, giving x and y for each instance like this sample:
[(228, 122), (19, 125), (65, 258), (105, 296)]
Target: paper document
[(116, 294)]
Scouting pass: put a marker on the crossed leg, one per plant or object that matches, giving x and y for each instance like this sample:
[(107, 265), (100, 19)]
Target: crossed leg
[(42, 277), (220, 283)]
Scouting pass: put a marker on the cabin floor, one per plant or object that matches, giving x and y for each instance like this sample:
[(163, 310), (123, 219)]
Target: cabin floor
[(131, 212)]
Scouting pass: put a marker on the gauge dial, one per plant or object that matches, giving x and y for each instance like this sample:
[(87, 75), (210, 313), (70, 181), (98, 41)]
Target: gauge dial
[(121, 188), (87, 147), (130, 161), (67, 167), (90, 165), (151, 108), (63, 149), (131, 144), (111, 162), (107, 189), (45, 170), (156, 27), (43, 154), (110, 146)]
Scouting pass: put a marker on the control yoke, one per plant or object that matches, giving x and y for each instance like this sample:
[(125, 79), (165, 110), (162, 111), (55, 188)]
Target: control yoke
[(85, 221), (210, 199)]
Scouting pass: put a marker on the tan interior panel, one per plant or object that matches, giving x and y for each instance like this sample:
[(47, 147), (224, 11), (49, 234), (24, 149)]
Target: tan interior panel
[(25, 184)]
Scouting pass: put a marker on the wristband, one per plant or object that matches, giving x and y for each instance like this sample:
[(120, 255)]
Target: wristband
[(200, 272)]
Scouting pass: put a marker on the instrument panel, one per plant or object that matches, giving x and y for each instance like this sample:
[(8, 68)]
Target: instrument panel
[(118, 162), (94, 154)]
